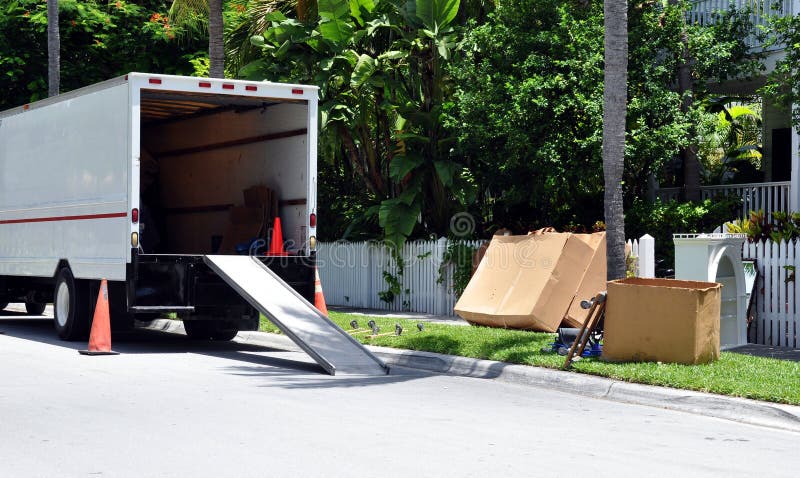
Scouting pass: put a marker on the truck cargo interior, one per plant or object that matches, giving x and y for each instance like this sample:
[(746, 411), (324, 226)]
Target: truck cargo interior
[(216, 170)]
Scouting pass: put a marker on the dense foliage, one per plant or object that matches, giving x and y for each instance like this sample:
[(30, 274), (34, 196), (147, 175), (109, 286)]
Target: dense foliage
[(528, 107), (99, 40), (428, 107), (381, 69), (662, 219), (783, 85)]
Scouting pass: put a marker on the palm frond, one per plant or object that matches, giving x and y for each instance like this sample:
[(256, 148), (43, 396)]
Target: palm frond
[(188, 12), (254, 22)]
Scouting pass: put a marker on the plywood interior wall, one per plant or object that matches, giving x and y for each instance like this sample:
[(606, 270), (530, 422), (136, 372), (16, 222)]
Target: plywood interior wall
[(207, 181)]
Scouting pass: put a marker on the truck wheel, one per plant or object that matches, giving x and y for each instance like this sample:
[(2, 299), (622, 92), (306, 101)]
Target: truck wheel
[(219, 330), (35, 308), (71, 305)]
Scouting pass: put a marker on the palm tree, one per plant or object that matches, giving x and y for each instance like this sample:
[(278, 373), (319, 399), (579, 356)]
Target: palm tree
[(615, 95), (216, 48), (188, 12), (688, 154), (53, 49)]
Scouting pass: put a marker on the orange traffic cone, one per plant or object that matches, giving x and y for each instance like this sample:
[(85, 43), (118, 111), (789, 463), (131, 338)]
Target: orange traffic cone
[(100, 336), (319, 297), (276, 245)]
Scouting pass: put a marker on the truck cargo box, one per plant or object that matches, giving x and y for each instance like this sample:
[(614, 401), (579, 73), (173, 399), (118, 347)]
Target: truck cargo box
[(136, 179)]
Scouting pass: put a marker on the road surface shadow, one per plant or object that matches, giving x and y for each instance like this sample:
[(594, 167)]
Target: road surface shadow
[(144, 341), (290, 380), (291, 369)]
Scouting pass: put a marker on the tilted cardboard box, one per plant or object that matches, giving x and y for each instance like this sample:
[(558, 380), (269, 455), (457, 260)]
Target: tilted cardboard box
[(527, 282), (593, 281)]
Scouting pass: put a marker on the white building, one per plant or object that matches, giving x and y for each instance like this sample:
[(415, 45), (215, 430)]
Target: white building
[(780, 189)]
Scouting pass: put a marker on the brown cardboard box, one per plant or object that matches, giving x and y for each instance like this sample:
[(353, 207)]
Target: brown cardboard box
[(593, 281), (662, 320), (526, 282), (244, 224), (262, 197), (256, 196)]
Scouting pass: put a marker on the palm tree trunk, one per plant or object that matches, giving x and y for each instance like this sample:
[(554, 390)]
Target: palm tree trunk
[(615, 95), (216, 50), (688, 154), (53, 49)]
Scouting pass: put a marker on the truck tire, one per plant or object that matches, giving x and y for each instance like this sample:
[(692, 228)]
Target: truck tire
[(218, 330), (35, 308), (71, 306)]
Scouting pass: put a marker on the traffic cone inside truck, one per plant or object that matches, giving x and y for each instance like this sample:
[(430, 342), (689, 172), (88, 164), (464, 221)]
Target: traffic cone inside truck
[(142, 180)]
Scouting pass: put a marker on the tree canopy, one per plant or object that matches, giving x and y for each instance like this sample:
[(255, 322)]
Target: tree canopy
[(528, 105), (99, 40), (428, 107)]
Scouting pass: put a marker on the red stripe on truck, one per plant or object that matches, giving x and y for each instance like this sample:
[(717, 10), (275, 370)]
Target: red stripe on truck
[(65, 218)]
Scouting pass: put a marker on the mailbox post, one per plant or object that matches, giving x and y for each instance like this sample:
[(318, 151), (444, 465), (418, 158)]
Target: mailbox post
[(717, 257)]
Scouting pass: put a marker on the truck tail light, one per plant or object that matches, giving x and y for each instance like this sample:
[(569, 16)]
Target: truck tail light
[(154, 81), (251, 88), (297, 91), (204, 84), (312, 220), (227, 86), (134, 215)]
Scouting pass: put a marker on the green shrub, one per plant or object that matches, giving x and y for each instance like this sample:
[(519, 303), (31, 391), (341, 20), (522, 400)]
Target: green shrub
[(782, 226), (663, 219)]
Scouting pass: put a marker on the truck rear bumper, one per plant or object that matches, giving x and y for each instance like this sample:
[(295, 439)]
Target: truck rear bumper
[(186, 285)]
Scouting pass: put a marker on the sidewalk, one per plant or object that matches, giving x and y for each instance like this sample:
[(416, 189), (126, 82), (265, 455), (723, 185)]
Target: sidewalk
[(768, 351)]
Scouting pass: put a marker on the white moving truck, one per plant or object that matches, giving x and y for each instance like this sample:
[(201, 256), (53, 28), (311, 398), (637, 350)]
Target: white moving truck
[(138, 180)]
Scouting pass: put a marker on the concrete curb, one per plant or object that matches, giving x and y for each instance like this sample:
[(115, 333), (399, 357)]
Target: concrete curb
[(785, 417), (743, 410)]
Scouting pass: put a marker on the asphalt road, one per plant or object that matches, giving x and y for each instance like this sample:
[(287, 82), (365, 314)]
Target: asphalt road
[(168, 406)]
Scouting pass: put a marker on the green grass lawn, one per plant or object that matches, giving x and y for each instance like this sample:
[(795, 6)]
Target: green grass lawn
[(733, 374)]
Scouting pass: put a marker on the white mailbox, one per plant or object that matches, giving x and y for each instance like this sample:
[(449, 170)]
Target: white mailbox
[(717, 257)]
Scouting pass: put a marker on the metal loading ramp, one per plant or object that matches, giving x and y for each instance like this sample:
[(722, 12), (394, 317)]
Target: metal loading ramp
[(330, 346)]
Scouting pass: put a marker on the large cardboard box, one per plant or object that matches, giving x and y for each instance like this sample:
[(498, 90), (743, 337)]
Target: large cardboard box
[(526, 282), (593, 281), (662, 320), (244, 224)]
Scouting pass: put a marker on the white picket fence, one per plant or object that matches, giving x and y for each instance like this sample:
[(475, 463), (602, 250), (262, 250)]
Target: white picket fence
[(352, 274), (776, 321), (644, 252)]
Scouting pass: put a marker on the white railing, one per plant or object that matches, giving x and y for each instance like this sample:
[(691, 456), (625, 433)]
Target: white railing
[(708, 12), (668, 194), (775, 312), (769, 197), (353, 274)]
